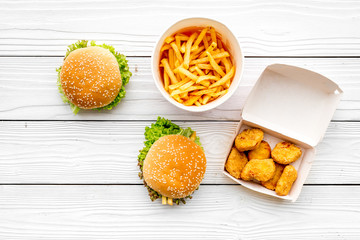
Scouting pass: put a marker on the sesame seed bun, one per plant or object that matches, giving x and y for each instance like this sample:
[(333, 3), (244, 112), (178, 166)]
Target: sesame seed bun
[(174, 166), (90, 77)]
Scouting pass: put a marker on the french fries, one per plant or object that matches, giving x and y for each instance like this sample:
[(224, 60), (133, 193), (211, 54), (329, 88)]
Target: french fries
[(188, 49), (196, 68)]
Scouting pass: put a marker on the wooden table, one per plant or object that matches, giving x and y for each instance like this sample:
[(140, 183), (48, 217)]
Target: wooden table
[(75, 177)]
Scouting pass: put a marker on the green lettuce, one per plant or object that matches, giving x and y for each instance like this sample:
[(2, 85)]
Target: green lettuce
[(187, 133), (123, 66), (160, 128)]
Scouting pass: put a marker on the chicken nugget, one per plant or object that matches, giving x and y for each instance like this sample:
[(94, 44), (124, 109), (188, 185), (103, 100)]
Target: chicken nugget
[(258, 169), (262, 152), (249, 139), (286, 181), (285, 153), (271, 184), (236, 162)]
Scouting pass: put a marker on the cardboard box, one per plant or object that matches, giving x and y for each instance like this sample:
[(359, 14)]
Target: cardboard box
[(289, 104)]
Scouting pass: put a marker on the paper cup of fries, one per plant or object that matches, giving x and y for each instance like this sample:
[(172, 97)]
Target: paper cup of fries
[(197, 64)]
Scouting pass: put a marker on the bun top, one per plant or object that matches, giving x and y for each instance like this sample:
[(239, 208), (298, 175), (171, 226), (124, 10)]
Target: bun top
[(174, 166), (90, 77)]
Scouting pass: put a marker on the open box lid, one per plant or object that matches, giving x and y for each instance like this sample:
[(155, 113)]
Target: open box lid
[(293, 101)]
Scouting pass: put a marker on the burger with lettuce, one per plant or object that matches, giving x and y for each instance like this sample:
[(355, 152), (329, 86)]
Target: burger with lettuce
[(172, 163), (92, 76)]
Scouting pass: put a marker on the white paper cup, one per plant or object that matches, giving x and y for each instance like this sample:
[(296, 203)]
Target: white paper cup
[(227, 38)]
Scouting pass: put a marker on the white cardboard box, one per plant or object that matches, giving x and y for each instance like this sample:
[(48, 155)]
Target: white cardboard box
[(289, 104)]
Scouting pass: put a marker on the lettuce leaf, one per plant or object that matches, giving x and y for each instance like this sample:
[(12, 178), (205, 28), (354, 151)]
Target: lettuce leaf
[(123, 66), (187, 133), (160, 128)]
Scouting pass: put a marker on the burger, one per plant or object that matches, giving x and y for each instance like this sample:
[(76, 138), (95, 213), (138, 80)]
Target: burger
[(172, 163), (92, 76)]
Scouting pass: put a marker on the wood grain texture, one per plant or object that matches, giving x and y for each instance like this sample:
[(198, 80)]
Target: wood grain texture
[(106, 152), (215, 212), (277, 28), (28, 91), (36, 150)]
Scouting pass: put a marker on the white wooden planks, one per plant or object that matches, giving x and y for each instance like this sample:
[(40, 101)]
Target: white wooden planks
[(28, 91), (106, 152), (215, 212), (296, 28)]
